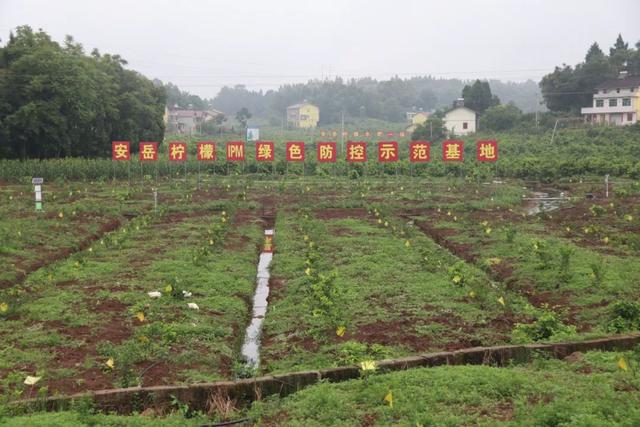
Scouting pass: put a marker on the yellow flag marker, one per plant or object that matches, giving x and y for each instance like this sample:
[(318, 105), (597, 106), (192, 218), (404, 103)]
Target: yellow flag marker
[(340, 331), (4, 307), (501, 301), (110, 363), (210, 242), (140, 316), (407, 243), (622, 364), (389, 398), (307, 271), (31, 380)]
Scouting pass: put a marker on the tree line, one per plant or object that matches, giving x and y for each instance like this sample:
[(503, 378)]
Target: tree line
[(57, 101), (567, 88)]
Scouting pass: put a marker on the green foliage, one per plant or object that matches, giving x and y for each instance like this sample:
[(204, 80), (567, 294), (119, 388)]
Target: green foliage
[(478, 96), (625, 316), (546, 327), (500, 118), (431, 130), (55, 101), (570, 88), (353, 352)]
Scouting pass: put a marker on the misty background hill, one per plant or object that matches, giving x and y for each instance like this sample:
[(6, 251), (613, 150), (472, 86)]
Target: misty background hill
[(358, 98)]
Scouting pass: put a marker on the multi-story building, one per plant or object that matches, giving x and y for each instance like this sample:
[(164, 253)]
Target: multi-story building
[(303, 115), (616, 102)]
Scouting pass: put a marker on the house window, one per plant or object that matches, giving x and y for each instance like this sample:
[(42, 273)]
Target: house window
[(626, 102), (599, 102), (465, 125), (629, 117), (613, 102)]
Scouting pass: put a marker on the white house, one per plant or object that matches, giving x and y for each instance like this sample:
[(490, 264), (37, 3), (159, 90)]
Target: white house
[(616, 101), (190, 121), (460, 120)]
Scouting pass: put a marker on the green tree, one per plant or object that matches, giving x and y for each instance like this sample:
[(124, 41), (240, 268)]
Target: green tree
[(500, 117), (432, 130), (55, 101), (242, 116), (478, 96)]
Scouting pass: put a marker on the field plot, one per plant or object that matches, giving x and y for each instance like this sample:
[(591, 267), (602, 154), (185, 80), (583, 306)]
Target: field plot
[(89, 322), (104, 290)]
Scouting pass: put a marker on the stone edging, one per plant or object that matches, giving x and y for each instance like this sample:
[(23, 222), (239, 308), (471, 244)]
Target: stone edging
[(197, 396)]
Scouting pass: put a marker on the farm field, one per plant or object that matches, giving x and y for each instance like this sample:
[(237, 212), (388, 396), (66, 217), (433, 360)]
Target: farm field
[(363, 269)]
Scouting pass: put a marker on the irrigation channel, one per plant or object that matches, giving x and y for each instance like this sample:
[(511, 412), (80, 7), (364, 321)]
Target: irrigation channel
[(546, 201), (251, 347)]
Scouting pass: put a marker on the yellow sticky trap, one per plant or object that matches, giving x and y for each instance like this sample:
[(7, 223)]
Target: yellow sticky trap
[(501, 301), (622, 364), (368, 365), (31, 380), (340, 331), (389, 399), (110, 363), (168, 288), (140, 316), (4, 307)]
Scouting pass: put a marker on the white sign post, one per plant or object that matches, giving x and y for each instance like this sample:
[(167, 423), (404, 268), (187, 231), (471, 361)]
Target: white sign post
[(253, 134), (37, 189)]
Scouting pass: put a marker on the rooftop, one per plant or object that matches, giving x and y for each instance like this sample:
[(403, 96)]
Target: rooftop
[(618, 83)]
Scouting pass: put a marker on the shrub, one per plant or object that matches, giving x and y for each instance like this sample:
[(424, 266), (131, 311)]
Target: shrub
[(546, 326), (625, 316)]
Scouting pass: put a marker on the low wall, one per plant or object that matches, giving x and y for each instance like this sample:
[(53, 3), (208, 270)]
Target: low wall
[(198, 396)]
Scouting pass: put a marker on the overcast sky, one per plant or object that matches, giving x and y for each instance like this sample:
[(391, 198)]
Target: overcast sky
[(202, 45)]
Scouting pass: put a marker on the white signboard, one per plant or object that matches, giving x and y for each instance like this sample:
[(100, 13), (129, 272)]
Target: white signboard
[(253, 134)]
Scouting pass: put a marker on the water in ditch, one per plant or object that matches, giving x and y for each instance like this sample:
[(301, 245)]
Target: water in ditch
[(251, 346), (544, 201)]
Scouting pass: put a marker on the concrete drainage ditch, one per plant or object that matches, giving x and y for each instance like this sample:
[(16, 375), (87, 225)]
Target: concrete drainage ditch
[(251, 346)]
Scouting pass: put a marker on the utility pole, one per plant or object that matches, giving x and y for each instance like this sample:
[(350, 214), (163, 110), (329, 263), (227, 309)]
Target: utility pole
[(342, 135)]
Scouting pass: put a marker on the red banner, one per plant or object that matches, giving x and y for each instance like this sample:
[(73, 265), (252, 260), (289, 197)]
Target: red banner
[(327, 152), (120, 150), (419, 151), (148, 151), (487, 151), (356, 152), (295, 151), (265, 151), (452, 151), (177, 151), (235, 151), (206, 150), (388, 151)]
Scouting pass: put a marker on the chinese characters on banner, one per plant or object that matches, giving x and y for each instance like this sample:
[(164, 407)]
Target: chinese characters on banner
[(265, 151), (356, 152), (388, 151), (177, 151), (120, 150), (148, 151), (419, 151), (295, 151), (235, 151), (452, 151), (326, 152), (487, 151), (206, 150)]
